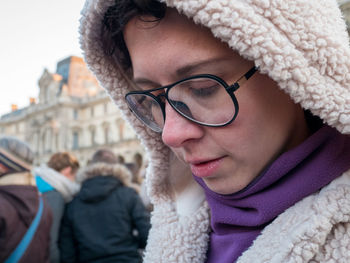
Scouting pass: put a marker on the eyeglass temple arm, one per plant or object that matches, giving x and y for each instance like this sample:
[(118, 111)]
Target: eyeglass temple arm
[(244, 78)]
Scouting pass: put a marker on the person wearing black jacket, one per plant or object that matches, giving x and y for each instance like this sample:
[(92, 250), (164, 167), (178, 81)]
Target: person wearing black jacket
[(106, 221)]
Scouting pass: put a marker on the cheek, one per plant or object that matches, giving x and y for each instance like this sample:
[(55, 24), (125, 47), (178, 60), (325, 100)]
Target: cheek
[(265, 110), (261, 129), (177, 152)]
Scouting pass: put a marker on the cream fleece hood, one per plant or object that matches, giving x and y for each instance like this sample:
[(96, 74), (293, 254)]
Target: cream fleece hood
[(301, 44)]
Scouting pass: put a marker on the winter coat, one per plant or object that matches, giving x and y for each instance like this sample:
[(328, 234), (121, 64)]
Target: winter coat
[(57, 204), (303, 46), (101, 222), (18, 206), (57, 190)]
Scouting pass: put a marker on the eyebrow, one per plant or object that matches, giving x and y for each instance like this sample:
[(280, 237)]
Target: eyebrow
[(143, 81), (197, 66), (186, 70)]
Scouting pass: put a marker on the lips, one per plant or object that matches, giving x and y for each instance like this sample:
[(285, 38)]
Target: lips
[(205, 168)]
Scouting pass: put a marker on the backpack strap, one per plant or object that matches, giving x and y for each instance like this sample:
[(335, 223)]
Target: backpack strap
[(27, 238)]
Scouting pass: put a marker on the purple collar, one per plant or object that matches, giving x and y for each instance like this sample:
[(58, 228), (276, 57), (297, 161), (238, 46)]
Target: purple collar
[(237, 219)]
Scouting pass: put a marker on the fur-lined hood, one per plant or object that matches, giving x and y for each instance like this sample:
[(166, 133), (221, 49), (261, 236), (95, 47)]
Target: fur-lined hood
[(104, 169)]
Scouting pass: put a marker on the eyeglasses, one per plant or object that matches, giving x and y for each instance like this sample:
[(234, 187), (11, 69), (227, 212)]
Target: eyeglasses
[(203, 99)]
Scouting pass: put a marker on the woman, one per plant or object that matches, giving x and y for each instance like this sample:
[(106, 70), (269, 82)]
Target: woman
[(56, 181), (245, 113)]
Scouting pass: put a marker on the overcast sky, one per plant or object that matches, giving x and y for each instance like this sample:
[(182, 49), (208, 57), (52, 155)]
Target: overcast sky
[(34, 35)]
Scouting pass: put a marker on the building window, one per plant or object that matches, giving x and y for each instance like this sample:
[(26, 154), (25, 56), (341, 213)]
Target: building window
[(48, 144), (92, 112), (56, 142), (105, 108), (43, 148), (75, 114), (106, 133), (75, 140), (37, 142), (93, 139)]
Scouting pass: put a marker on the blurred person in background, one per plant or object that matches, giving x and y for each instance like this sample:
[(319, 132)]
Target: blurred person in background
[(121, 159), (138, 160), (138, 170), (56, 181), (25, 218), (106, 221), (142, 165), (135, 180)]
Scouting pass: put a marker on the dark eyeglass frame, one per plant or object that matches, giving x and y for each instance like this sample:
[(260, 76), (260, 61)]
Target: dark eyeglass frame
[(230, 89)]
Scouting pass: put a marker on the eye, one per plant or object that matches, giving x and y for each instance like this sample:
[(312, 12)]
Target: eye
[(140, 100), (207, 90), (199, 88), (182, 107)]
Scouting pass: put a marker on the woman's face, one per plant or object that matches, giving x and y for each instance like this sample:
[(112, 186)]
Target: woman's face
[(227, 158)]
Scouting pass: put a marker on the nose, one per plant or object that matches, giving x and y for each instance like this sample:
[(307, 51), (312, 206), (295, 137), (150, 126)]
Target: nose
[(178, 130)]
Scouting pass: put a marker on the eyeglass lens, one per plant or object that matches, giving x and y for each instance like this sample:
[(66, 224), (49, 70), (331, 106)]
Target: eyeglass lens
[(148, 110), (202, 100)]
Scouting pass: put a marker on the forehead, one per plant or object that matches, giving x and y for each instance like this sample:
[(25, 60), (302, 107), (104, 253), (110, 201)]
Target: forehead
[(170, 44), (171, 25)]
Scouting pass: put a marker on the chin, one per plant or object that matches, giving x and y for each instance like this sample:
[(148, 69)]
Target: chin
[(223, 188)]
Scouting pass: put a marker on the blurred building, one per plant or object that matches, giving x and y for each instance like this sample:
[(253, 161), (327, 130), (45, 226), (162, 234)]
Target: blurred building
[(72, 114), (345, 7)]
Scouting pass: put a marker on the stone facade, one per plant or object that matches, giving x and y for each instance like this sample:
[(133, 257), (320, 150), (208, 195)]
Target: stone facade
[(345, 7), (73, 114)]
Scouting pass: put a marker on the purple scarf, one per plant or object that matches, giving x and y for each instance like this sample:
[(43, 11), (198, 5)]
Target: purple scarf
[(237, 219)]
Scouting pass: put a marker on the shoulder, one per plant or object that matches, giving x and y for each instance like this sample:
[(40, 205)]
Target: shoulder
[(127, 196), (18, 197), (6, 205), (53, 194), (336, 245), (128, 191), (55, 201), (308, 230)]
